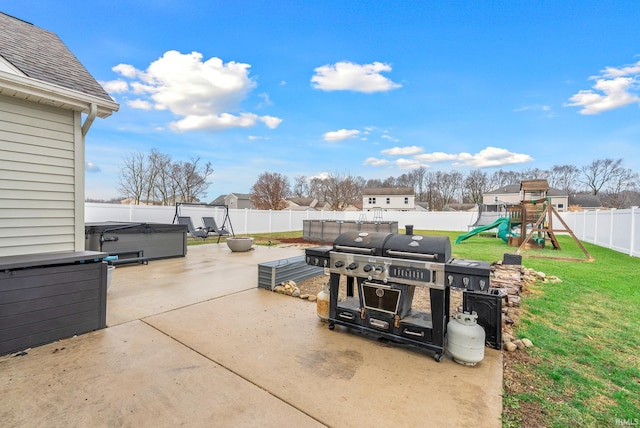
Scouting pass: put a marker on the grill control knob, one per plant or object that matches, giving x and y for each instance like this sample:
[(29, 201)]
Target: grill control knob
[(353, 266), (379, 269), (339, 264), (367, 268)]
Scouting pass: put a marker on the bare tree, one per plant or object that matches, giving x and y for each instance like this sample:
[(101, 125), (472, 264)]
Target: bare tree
[(564, 177), (599, 172), (621, 189), (448, 185), (338, 190), (191, 179), (420, 175), (270, 191), (373, 183), (161, 185), (533, 174), (406, 180), (503, 178), (301, 187), (133, 176), (389, 182), (476, 184)]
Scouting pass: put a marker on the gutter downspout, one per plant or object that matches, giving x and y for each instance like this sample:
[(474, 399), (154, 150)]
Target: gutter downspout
[(93, 110)]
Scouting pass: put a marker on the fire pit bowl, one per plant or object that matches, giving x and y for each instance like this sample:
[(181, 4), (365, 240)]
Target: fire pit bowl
[(239, 244)]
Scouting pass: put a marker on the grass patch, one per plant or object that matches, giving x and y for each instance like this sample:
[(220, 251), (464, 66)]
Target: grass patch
[(586, 364)]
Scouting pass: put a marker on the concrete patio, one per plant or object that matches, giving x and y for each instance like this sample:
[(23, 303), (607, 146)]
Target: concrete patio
[(192, 341)]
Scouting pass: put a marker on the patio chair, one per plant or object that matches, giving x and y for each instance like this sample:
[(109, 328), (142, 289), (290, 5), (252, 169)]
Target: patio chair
[(211, 227), (196, 233)]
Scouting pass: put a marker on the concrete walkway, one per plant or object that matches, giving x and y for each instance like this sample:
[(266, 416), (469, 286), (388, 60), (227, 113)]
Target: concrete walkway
[(192, 341)]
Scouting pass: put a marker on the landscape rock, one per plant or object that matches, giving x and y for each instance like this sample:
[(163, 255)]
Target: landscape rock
[(304, 296), (279, 289), (527, 343), (312, 298), (518, 344), (506, 338), (510, 346), (296, 292)]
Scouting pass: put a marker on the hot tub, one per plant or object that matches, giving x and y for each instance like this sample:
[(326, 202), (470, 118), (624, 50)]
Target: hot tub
[(155, 240)]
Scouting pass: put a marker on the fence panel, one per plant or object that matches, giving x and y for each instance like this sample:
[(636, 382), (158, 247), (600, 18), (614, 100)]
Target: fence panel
[(615, 229)]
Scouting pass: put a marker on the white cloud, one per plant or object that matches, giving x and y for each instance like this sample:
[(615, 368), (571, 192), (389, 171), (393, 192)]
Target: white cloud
[(126, 70), (488, 157), (115, 86), (614, 88), (257, 137), (270, 121), (341, 134), (620, 72), (205, 94), (390, 138), (402, 151), (439, 157), (616, 94), (536, 107), (376, 162), (347, 76), (409, 164), (321, 176), (140, 104), (215, 122)]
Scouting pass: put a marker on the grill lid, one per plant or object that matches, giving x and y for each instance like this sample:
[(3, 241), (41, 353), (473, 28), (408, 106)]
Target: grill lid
[(370, 243), (418, 247)]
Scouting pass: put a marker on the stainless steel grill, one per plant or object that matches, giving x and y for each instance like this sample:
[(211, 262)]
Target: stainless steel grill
[(373, 279)]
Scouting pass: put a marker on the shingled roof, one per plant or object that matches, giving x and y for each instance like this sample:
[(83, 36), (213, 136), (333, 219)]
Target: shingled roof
[(41, 55)]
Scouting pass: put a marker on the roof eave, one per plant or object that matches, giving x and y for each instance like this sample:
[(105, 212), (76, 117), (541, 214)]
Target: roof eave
[(33, 90)]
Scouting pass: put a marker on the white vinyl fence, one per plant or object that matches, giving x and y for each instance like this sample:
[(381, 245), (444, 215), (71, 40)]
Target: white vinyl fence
[(618, 230), (614, 229)]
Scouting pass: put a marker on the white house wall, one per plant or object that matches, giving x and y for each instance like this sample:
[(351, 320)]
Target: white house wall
[(38, 165)]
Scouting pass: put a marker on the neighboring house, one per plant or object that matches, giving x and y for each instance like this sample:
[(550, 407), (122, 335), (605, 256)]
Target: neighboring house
[(512, 195), (584, 202), (312, 204), (302, 204), (234, 201), (388, 199), (44, 92)]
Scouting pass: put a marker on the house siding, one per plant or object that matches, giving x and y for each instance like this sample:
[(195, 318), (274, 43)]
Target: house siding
[(38, 182)]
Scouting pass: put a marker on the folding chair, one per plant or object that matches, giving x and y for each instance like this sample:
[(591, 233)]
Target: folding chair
[(211, 227), (196, 233)]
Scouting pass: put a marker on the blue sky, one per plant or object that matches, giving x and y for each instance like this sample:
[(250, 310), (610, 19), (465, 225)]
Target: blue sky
[(357, 87)]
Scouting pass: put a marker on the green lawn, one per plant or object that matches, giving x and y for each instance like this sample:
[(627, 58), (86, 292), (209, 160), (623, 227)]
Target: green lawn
[(585, 367)]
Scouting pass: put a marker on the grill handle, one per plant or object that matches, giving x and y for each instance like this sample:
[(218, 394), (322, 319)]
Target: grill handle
[(415, 255), (355, 249)]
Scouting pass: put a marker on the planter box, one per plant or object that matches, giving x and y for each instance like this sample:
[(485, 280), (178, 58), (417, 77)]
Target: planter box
[(295, 269), (47, 297)]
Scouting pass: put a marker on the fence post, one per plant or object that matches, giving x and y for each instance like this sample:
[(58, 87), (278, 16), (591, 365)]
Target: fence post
[(611, 227), (633, 230)]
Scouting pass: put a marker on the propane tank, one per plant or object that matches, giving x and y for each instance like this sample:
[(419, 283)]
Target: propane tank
[(322, 303), (465, 339)]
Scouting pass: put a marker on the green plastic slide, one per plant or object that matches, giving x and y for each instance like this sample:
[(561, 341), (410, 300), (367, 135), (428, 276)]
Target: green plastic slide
[(501, 223)]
